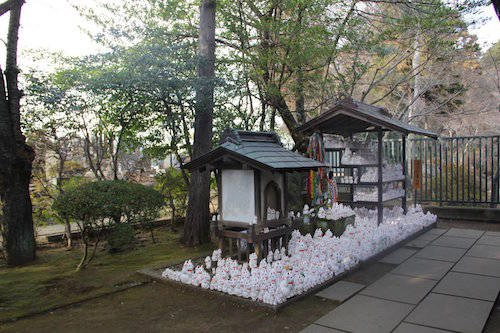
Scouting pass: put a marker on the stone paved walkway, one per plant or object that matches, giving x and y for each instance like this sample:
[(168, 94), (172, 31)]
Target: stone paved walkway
[(442, 281)]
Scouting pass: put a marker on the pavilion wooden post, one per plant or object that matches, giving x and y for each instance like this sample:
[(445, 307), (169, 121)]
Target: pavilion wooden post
[(403, 162), (258, 211), (285, 194), (380, 206)]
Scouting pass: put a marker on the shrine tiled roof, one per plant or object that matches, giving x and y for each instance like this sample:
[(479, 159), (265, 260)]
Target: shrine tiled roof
[(261, 150)]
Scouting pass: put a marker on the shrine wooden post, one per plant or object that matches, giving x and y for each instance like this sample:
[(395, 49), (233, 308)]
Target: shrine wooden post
[(403, 162), (380, 205)]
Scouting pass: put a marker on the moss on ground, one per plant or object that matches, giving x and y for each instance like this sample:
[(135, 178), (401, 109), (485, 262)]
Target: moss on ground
[(52, 281), (156, 307)]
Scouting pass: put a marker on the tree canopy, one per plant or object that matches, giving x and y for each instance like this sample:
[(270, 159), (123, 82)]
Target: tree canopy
[(277, 64)]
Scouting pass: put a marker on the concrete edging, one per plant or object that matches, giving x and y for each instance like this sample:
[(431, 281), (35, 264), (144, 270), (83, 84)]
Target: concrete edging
[(476, 214)]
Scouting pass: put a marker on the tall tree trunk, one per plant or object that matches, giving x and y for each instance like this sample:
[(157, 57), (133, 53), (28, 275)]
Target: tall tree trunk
[(60, 174), (263, 105), (272, 123), (16, 157), (416, 101), (197, 227), (496, 6)]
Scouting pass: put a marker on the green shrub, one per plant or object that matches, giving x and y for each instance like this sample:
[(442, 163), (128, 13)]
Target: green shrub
[(115, 200), (142, 205), (42, 194), (73, 182), (174, 189), (96, 204), (120, 237)]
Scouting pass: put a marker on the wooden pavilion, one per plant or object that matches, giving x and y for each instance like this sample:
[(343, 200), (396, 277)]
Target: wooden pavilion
[(347, 117)]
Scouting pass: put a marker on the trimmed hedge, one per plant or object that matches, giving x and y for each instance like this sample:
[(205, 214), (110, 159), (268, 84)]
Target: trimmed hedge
[(109, 203), (116, 200)]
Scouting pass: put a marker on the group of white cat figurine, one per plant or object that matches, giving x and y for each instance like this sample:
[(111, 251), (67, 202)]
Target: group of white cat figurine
[(309, 261)]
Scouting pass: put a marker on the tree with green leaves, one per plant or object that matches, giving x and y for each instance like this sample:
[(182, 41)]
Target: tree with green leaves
[(300, 64), (170, 183), (117, 111), (53, 132)]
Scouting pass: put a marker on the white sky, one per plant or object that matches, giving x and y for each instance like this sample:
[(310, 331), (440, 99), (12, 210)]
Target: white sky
[(54, 25), (489, 32)]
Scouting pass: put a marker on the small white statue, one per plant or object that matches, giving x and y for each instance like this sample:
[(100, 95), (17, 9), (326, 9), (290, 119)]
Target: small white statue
[(277, 255)]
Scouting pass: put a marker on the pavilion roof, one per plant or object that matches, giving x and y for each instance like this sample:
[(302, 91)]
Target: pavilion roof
[(347, 117)]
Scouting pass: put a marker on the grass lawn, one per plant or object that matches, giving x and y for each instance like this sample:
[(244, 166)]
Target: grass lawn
[(52, 280)]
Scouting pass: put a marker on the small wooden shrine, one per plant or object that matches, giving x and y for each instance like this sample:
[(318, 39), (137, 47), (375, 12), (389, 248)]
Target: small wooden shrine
[(251, 171), (348, 117)]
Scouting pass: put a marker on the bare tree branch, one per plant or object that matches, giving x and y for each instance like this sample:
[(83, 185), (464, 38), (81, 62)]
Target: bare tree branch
[(6, 6)]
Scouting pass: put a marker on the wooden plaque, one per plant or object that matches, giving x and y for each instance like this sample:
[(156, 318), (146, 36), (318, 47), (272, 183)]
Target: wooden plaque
[(417, 174)]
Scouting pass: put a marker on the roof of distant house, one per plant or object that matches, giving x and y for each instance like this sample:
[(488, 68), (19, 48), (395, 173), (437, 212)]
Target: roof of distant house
[(261, 150)]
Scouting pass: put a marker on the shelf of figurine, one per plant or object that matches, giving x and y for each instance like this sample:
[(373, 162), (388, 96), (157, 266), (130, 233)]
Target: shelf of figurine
[(370, 194), (390, 173), (357, 153), (358, 158), (334, 216), (348, 180), (334, 142)]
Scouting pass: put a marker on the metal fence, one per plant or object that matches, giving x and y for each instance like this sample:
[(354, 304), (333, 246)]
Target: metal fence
[(455, 171), (458, 170)]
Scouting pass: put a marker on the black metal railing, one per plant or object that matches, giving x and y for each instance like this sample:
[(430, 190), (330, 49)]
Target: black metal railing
[(455, 171), (458, 170)]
